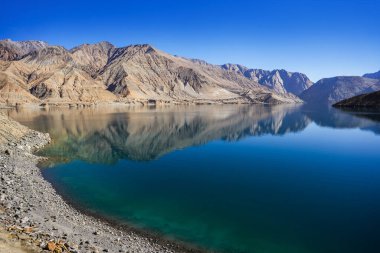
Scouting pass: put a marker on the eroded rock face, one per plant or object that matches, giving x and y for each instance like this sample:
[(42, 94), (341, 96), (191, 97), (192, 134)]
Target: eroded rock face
[(93, 57), (91, 73), (15, 50), (280, 81)]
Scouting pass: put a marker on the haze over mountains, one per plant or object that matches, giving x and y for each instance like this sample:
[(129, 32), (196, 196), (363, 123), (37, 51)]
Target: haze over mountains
[(36, 72)]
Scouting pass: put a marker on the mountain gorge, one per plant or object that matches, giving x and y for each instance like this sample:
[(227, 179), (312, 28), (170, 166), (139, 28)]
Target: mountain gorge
[(35, 72)]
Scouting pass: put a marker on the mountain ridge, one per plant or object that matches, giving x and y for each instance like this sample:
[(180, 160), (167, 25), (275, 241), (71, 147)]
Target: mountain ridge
[(328, 91), (102, 72)]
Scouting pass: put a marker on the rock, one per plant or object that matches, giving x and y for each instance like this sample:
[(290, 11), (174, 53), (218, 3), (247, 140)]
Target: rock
[(24, 220), (51, 246), (8, 152), (27, 229)]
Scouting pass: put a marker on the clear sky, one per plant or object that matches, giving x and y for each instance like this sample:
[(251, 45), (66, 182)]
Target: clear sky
[(319, 38)]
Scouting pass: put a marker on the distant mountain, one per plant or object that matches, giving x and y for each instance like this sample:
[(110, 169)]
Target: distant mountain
[(331, 90), (375, 75), (365, 100), (281, 80), (33, 71), (15, 50)]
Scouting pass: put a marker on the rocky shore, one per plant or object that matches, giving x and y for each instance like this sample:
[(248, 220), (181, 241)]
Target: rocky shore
[(34, 218)]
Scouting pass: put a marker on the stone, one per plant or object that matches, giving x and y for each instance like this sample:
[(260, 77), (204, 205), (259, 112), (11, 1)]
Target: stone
[(51, 246), (8, 152)]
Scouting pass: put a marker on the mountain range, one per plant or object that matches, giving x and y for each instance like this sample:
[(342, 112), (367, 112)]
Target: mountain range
[(36, 72)]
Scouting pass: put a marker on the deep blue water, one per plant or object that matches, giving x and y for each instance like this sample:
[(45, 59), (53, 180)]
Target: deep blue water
[(225, 178)]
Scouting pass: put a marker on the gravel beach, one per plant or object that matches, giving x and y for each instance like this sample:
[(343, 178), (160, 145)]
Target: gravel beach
[(34, 218)]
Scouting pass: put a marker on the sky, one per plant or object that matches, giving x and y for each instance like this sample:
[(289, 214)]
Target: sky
[(321, 38)]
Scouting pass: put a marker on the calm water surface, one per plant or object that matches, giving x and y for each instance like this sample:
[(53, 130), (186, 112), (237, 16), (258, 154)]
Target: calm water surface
[(225, 178)]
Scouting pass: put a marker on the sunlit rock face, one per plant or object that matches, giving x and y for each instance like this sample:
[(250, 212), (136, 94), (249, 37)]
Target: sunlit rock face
[(278, 80), (35, 72)]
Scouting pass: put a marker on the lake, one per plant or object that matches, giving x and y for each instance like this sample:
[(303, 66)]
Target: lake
[(231, 178)]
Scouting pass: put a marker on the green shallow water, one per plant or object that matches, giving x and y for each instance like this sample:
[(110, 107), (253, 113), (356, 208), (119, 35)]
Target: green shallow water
[(224, 178)]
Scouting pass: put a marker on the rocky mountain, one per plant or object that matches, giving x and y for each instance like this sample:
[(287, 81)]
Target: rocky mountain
[(281, 80), (331, 90), (15, 50), (375, 75), (35, 72), (142, 71), (93, 57), (365, 100)]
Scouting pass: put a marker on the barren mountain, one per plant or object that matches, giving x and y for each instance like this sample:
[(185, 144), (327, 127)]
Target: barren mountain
[(142, 71), (93, 57), (331, 90), (15, 50), (33, 71), (280, 81), (375, 75)]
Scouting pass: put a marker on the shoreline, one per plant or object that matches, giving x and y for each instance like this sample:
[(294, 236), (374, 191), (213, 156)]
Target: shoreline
[(34, 214)]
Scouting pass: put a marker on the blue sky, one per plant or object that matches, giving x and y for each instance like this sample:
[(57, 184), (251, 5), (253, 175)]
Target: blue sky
[(319, 38)]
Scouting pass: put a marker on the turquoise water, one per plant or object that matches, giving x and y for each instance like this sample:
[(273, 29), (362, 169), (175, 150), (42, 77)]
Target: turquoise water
[(224, 178)]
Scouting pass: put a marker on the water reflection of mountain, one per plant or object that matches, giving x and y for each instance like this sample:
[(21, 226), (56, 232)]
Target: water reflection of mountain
[(104, 136), (141, 134), (336, 118)]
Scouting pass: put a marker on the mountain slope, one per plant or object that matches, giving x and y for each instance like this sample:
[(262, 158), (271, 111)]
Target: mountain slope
[(15, 50), (365, 100), (331, 90), (280, 81), (375, 75), (142, 72), (92, 57), (34, 71)]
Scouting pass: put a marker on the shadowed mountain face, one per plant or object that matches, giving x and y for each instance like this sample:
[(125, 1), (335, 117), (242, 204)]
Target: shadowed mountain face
[(107, 135), (331, 90), (370, 100), (33, 71)]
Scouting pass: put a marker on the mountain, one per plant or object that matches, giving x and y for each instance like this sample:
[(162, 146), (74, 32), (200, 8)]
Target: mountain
[(141, 72), (93, 57), (35, 72), (51, 75), (375, 75), (331, 90), (365, 100), (281, 80), (15, 50)]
